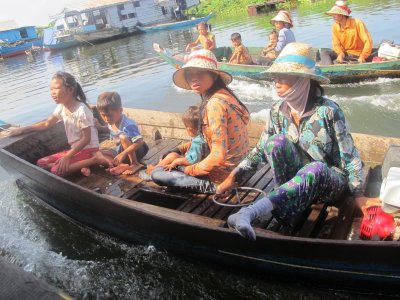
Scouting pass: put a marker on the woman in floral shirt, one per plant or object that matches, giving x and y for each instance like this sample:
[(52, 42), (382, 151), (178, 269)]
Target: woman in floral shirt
[(307, 142), (223, 125)]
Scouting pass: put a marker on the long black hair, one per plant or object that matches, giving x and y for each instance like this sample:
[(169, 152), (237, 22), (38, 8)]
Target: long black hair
[(217, 85), (69, 81)]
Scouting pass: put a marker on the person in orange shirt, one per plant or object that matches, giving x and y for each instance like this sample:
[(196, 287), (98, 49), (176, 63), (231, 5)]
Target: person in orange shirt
[(350, 37), (224, 120), (241, 56), (206, 39)]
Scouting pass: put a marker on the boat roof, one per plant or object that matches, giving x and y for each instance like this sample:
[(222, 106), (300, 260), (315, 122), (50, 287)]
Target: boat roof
[(87, 5), (11, 25)]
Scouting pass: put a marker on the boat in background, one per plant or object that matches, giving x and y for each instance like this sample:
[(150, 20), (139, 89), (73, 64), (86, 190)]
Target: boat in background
[(90, 22), (174, 25), (338, 73), (15, 40)]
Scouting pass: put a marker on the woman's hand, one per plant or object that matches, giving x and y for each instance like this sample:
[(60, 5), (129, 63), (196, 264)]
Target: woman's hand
[(63, 165), (340, 58), (365, 202), (226, 186)]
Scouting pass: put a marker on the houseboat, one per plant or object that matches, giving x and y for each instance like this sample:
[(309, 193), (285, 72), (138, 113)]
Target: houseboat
[(15, 40), (96, 21)]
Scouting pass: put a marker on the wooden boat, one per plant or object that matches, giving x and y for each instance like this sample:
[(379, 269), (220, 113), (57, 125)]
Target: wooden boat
[(339, 73), (173, 25), (323, 249)]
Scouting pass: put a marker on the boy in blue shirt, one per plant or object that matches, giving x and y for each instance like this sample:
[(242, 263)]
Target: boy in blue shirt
[(130, 146)]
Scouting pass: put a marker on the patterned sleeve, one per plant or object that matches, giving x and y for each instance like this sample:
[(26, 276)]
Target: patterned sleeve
[(218, 123), (256, 155), (350, 160), (85, 117)]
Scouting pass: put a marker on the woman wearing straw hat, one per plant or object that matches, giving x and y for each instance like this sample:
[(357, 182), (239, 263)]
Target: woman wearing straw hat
[(223, 125), (282, 23), (350, 38), (307, 142)]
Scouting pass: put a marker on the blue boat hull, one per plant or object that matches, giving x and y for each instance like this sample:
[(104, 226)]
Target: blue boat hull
[(19, 49), (174, 25)]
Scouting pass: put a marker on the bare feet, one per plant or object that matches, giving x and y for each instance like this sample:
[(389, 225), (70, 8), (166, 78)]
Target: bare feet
[(120, 169), (85, 172), (102, 160), (133, 169)]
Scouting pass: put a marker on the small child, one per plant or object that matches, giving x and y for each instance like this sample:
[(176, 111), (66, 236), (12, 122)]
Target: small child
[(269, 51), (78, 120), (189, 153), (207, 39), (241, 55), (124, 131)]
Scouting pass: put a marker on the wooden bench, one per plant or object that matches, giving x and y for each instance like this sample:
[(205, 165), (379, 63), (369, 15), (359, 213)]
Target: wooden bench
[(321, 220)]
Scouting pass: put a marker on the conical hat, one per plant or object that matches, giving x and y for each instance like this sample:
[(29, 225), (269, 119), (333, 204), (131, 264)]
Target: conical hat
[(200, 59), (340, 8), (282, 16)]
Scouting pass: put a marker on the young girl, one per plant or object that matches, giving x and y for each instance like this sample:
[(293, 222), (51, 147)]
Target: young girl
[(207, 39), (74, 111)]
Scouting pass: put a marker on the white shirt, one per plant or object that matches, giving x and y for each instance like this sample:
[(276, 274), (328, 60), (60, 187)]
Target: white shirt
[(75, 121)]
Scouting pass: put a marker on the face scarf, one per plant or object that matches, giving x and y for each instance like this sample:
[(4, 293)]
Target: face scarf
[(296, 96)]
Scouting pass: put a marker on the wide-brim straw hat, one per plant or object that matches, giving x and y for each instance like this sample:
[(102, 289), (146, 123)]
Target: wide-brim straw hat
[(200, 59), (340, 8), (282, 16), (297, 59)]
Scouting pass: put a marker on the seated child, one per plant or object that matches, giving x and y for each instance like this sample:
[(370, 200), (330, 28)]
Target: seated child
[(189, 153), (73, 110), (269, 51), (125, 133), (241, 55), (207, 39)]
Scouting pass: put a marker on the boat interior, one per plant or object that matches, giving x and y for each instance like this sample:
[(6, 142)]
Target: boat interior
[(340, 220)]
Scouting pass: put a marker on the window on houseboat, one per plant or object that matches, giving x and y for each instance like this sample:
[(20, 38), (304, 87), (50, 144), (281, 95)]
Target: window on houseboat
[(163, 10), (136, 3), (23, 33)]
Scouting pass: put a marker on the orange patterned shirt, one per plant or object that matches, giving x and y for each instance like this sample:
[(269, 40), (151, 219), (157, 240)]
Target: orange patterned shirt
[(225, 131)]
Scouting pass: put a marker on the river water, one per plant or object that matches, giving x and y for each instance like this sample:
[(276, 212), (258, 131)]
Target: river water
[(90, 265)]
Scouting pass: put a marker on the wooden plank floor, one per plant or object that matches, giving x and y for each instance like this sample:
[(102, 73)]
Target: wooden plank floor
[(321, 220)]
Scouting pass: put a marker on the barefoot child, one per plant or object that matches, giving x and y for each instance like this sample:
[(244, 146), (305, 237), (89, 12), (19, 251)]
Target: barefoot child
[(189, 153), (241, 56), (207, 39), (125, 133), (74, 111)]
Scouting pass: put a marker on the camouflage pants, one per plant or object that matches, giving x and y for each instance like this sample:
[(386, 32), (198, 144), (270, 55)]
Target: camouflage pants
[(298, 186)]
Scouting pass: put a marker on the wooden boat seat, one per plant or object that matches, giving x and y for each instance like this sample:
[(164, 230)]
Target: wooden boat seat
[(321, 220)]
